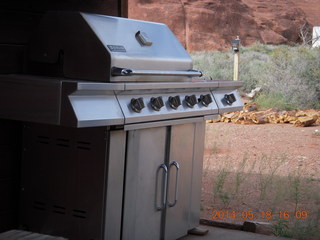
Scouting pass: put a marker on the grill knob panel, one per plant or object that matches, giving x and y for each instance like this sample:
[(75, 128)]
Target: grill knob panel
[(229, 98), (156, 103), (191, 100), (174, 102), (205, 99), (137, 104)]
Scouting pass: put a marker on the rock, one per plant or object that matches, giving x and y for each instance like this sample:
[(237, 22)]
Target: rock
[(211, 25), (305, 121), (250, 115), (258, 227), (253, 92)]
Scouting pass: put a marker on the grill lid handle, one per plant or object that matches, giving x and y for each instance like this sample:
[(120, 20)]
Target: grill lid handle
[(143, 39), (115, 71)]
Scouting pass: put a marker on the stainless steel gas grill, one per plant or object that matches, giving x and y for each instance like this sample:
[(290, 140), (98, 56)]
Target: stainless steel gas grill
[(114, 129)]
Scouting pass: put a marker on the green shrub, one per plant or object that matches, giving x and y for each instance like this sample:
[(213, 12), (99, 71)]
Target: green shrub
[(292, 74), (274, 100), (214, 65), (289, 76), (258, 47), (252, 69)]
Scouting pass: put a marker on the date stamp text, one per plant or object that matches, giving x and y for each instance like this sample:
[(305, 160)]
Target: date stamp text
[(251, 215)]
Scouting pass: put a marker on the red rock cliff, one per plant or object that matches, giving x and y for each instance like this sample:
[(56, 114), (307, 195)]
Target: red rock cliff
[(212, 24)]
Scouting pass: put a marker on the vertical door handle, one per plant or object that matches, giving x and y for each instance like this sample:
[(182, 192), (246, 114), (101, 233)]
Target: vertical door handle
[(176, 165), (164, 187)]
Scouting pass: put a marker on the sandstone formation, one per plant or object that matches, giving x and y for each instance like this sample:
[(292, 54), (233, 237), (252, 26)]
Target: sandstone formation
[(212, 24)]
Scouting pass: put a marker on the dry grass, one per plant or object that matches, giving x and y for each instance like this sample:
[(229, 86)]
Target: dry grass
[(265, 188)]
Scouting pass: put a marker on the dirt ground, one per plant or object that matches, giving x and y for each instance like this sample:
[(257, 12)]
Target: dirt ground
[(261, 173)]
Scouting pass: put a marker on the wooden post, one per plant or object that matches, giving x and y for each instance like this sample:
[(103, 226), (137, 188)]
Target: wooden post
[(236, 56), (236, 66)]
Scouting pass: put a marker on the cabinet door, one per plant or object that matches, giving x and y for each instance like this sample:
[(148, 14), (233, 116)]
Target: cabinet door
[(178, 198), (146, 150)]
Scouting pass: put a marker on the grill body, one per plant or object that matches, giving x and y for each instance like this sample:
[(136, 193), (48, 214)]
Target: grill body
[(114, 122), (72, 181)]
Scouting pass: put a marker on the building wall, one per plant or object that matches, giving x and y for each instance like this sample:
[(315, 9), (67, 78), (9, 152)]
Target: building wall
[(18, 21), (10, 147), (19, 18)]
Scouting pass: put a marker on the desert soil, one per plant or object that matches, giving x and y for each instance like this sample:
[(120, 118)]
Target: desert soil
[(279, 155)]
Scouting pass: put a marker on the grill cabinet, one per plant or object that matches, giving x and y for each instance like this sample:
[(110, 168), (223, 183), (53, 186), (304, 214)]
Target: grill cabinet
[(114, 120)]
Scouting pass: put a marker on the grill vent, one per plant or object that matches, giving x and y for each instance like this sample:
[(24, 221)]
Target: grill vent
[(43, 139), (79, 213), (39, 205), (62, 142), (84, 145), (59, 209)]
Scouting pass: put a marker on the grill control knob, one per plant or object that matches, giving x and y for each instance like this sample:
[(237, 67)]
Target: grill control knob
[(137, 104), (174, 102), (191, 100), (229, 98), (205, 99), (156, 103)]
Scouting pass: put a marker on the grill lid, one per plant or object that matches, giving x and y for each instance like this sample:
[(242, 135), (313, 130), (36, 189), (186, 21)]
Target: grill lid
[(108, 49)]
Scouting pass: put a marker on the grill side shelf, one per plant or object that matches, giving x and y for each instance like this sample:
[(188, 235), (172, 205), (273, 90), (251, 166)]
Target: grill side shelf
[(30, 98)]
